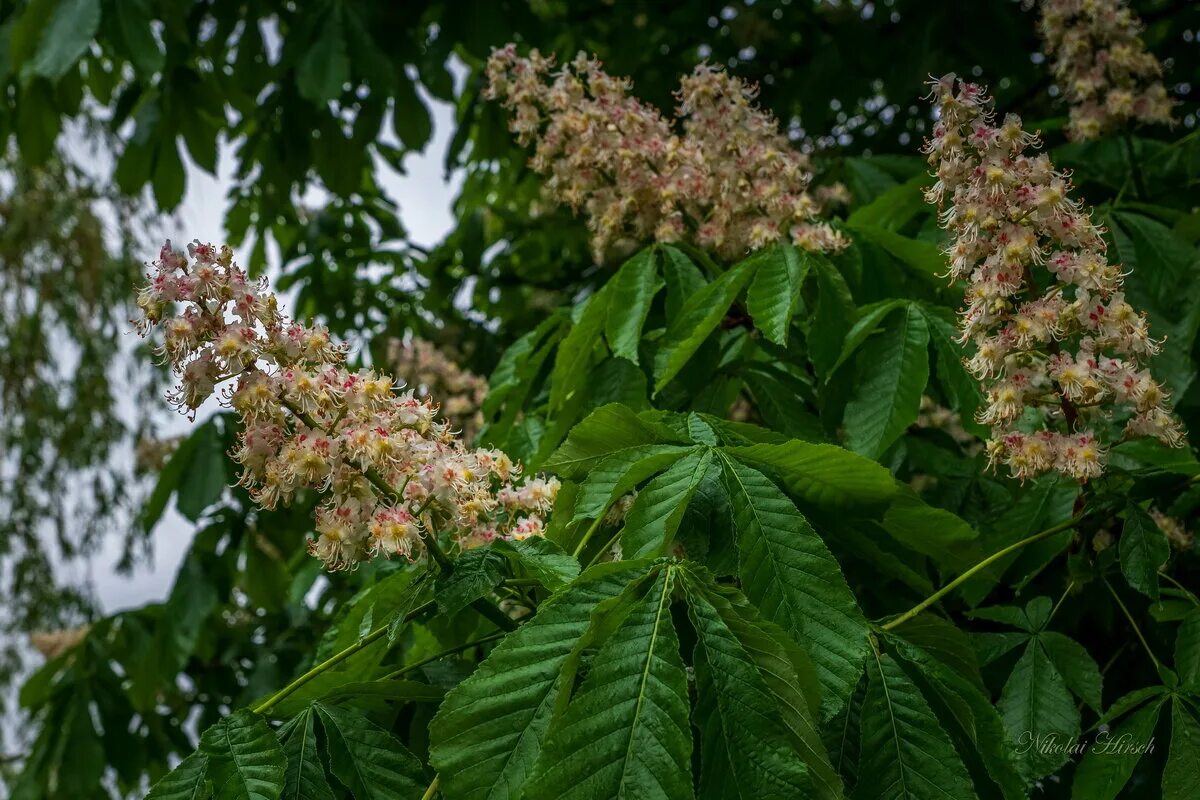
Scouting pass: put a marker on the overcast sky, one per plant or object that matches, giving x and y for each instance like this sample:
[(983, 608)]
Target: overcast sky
[(424, 198)]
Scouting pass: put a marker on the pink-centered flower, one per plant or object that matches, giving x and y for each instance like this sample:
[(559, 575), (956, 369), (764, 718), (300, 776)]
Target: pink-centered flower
[(390, 471), (722, 177), (1059, 350)]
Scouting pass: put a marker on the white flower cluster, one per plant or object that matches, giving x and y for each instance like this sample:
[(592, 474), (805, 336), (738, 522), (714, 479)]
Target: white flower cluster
[(432, 373), (1102, 66), (729, 183), (392, 474), (1057, 346)]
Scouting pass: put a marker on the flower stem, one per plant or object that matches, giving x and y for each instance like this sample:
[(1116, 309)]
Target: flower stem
[(982, 565), (332, 661), (595, 526), (1133, 624), (400, 673), (432, 790)]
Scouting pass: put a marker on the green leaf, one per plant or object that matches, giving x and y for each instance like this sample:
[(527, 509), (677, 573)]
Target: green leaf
[(895, 370), (960, 387), (633, 289), (822, 475), (699, 316), (866, 325), (1143, 549), (789, 574), (905, 753), (325, 67), (133, 20), (367, 759), (1187, 651), (788, 674), (305, 777), (746, 750), (577, 351), (410, 117), (476, 573), (490, 728), (924, 259), (1129, 702), (543, 559), (620, 473), (941, 639), (1181, 777), (203, 479), (245, 761), (775, 291), (625, 733), (832, 319), (935, 532), (1006, 615), (970, 708), (683, 279), (607, 430), (654, 517), (186, 782), (1035, 703), (1109, 763), (1076, 666), (65, 38), (894, 207), (169, 178)]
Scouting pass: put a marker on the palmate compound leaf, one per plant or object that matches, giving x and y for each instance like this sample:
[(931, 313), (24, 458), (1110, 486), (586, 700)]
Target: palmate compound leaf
[(490, 729), (905, 753), (792, 578), (245, 760), (962, 693), (747, 752), (625, 732), (368, 760)]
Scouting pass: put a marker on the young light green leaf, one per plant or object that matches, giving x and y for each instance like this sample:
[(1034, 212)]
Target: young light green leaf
[(368, 760), (653, 519), (822, 475), (621, 472), (625, 733), (245, 760), (699, 316), (895, 370), (490, 728), (188, 781), (905, 753), (775, 291), (633, 289), (746, 751), (1076, 666), (1110, 760), (793, 579), (1181, 777), (305, 777), (1143, 549), (1035, 703)]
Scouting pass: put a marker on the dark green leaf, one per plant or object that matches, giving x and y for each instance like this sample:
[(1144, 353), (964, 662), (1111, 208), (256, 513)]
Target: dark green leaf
[(186, 782), (367, 759), (543, 559), (895, 369), (1181, 778), (65, 38), (1037, 708), (245, 761), (822, 475), (325, 68), (775, 291), (654, 517), (1076, 666), (476, 573), (305, 777), (633, 289), (1143, 550), (1111, 758)]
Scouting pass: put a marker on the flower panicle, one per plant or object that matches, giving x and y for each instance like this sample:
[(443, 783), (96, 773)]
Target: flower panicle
[(391, 472), (1056, 345), (721, 175), (1102, 66)]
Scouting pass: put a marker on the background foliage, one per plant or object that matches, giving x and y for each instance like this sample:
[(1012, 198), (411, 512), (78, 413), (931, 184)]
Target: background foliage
[(769, 412)]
